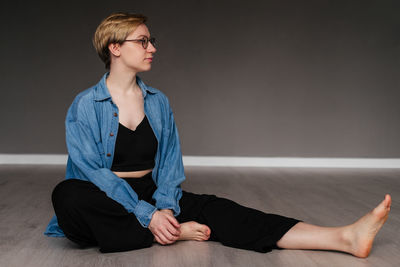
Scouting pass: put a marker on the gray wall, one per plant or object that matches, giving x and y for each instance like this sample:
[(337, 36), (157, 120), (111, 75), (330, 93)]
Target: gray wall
[(245, 78)]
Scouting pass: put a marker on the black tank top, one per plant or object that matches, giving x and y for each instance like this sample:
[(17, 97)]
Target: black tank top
[(135, 150)]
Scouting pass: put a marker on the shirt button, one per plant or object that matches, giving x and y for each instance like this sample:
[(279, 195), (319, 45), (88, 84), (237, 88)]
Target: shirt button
[(115, 114), (108, 154), (111, 134)]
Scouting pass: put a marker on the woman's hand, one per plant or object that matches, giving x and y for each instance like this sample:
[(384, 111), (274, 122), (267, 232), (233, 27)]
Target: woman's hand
[(168, 211), (164, 227)]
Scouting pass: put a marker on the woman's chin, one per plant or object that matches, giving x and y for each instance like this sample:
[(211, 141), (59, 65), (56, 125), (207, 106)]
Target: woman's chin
[(147, 69), (144, 69)]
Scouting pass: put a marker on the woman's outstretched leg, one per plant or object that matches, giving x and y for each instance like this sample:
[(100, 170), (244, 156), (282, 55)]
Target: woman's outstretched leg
[(219, 219), (356, 238)]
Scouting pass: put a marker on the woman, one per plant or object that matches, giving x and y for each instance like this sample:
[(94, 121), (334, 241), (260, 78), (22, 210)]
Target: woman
[(122, 189)]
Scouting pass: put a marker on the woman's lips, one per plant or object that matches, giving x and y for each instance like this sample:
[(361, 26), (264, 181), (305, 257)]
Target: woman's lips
[(150, 59)]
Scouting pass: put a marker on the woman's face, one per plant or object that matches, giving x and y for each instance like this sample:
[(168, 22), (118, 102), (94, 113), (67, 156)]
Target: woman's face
[(133, 55)]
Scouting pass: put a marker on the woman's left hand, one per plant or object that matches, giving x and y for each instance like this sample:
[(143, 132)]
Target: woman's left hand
[(168, 211), (164, 227)]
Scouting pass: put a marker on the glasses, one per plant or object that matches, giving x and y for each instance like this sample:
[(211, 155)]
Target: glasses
[(145, 41)]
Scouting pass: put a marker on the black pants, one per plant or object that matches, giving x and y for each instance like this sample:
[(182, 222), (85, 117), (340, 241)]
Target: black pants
[(89, 217)]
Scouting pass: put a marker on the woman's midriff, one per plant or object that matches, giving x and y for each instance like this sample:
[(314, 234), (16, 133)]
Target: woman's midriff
[(133, 174)]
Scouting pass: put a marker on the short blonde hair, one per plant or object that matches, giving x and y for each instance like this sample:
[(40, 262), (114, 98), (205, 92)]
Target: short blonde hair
[(115, 29)]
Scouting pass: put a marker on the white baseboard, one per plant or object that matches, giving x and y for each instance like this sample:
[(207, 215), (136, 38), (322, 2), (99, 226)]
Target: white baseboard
[(393, 163), (56, 159), (292, 162)]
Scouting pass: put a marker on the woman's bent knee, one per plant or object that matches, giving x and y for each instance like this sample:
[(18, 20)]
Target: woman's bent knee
[(65, 193)]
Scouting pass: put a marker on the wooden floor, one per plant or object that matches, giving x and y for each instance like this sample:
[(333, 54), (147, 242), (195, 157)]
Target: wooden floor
[(328, 197)]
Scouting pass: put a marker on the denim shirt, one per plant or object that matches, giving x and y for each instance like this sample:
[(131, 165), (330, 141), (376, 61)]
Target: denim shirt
[(91, 130)]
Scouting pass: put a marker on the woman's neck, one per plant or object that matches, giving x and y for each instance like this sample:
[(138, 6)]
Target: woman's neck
[(121, 82)]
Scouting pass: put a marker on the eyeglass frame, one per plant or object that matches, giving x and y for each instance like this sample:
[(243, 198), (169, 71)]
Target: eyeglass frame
[(144, 40)]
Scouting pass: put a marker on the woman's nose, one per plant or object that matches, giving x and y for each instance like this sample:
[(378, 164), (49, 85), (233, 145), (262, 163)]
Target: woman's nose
[(151, 48)]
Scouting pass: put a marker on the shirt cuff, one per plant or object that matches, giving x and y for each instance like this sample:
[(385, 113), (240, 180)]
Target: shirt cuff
[(144, 212), (169, 199)]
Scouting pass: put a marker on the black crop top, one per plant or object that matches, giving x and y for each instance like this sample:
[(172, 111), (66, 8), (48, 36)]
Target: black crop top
[(135, 150)]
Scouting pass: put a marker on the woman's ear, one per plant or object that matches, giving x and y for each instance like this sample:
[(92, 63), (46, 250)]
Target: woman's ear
[(114, 49)]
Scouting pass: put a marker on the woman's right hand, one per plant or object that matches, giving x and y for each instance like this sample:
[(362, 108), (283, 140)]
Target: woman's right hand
[(165, 227)]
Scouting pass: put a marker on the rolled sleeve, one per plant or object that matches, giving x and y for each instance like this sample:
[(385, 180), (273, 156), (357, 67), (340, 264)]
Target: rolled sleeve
[(144, 212), (169, 191)]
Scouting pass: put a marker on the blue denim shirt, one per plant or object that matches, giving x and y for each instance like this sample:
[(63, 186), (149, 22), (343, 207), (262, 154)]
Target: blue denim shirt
[(91, 130)]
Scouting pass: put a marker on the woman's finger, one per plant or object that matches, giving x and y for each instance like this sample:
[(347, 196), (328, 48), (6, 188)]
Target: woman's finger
[(158, 240), (174, 222), (175, 232), (168, 235), (163, 238)]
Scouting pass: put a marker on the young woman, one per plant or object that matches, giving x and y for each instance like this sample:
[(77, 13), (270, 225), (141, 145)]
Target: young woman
[(122, 188)]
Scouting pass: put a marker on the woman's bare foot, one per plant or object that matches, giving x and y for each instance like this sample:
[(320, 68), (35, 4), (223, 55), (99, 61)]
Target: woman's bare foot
[(194, 231), (361, 234)]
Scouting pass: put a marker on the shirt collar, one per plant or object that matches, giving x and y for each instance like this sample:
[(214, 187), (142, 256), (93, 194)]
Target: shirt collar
[(102, 92)]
